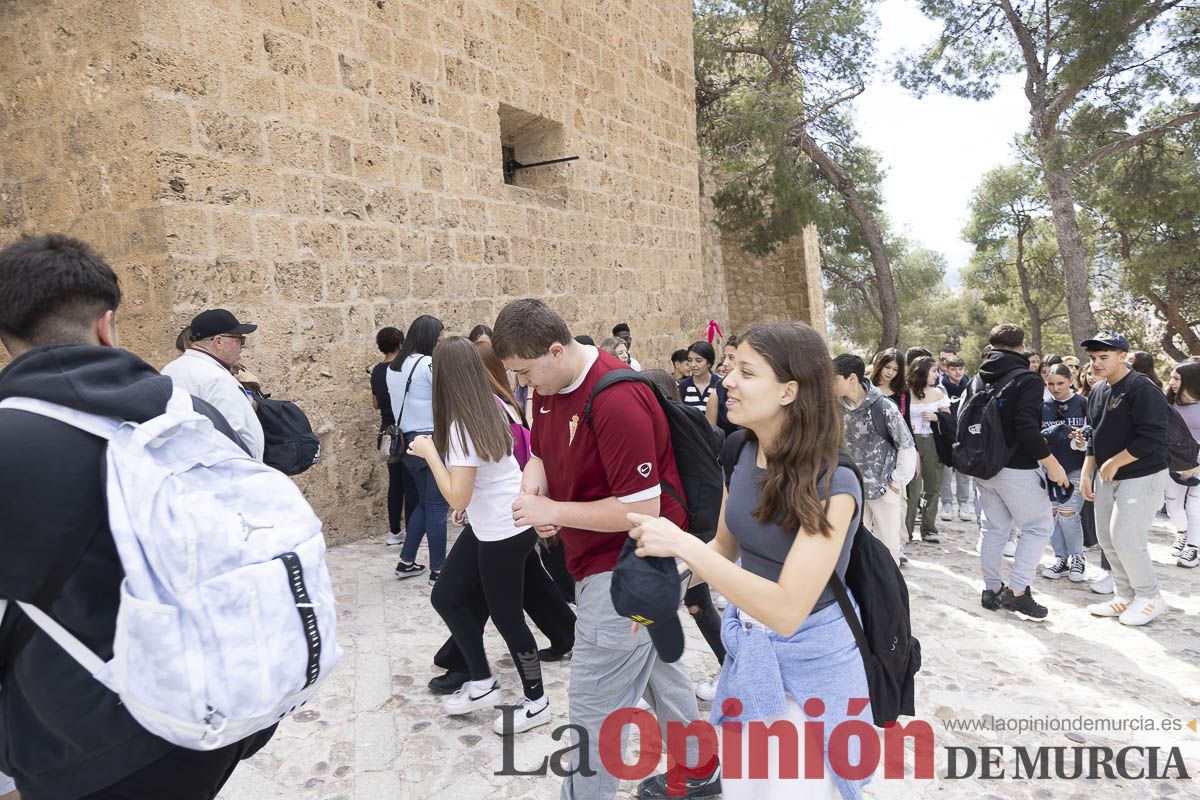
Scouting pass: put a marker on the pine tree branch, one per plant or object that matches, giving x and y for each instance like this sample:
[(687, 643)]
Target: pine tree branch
[(1115, 148)]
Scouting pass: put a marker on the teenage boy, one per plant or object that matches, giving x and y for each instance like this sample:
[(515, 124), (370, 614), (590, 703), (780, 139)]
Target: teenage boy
[(584, 477), (954, 382), (882, 446), (1017, 495), (63, 735), (1126, 460)]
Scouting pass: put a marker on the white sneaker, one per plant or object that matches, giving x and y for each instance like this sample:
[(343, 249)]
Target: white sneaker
[(531, 714), (1189, 557), (945, 515), (706, 690), (1078, 568), (394, 538), (1010, 549), (1143, 611), (471, 697), (1057, 570), (965, 516), (720, 601), (1109, 608), (1103, 586)]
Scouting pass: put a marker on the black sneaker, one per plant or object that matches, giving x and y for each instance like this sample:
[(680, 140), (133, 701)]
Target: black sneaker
[(1024, 606), (434, 574), (655, 787), (991, 600), (408, 570), (449, 682), (549, 654)]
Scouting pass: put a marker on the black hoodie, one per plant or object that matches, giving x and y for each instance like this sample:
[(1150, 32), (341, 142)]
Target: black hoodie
[(1020, 406), (62, 734)]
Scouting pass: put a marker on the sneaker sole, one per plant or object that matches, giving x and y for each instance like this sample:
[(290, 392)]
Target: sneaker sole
[(1057, 576), (1028, 617), (526, 724), (489, 700), (1140, 623), (413, 574)]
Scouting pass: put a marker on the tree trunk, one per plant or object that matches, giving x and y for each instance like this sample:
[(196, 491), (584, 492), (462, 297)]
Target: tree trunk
[(1168, 309), (1168, 345), (889, 311), (1035, 312), (1074, 255)]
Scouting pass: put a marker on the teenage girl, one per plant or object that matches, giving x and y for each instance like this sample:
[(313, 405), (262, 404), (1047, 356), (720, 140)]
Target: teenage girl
[(1183, 490), (480, 476), (790, 516), (925, 401)]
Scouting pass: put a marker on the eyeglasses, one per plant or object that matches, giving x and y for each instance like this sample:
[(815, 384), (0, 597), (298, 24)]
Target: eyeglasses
[(241, 339)]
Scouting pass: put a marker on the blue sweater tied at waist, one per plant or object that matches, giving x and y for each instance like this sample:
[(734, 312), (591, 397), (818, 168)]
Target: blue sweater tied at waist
[(821, 660)]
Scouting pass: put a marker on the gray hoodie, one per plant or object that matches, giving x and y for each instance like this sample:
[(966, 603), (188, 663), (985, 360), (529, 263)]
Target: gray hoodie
[(881, 463)]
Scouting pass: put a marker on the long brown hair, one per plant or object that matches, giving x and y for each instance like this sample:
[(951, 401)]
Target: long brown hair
[(462, 396), (1189, 381), (881, 361), (806, 450), (918, 376), (497, 376)]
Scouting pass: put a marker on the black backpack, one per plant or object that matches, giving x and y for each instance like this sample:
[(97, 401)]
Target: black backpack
[(891, 654), (1183, 451), (291, 446), (696, 445), (981, 449)]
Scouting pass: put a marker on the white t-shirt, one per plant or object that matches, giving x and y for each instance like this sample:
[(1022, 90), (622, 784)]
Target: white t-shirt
[(497, 484), (920, 425)]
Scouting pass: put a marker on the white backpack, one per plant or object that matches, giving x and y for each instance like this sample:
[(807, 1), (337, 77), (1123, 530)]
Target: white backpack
[(226, 621)]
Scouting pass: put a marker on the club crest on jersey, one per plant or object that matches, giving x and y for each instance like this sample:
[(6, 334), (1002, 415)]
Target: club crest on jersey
[(645, 469)]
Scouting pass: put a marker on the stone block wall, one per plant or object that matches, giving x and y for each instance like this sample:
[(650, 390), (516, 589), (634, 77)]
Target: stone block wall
[(327, 167), (782, 286)]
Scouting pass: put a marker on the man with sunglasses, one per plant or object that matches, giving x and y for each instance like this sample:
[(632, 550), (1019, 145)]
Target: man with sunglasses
[(205, 370), (1124, 474)]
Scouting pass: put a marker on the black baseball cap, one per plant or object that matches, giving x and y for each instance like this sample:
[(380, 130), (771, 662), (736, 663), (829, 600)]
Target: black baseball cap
[(1106, 340), (648, 591), (216, 321)]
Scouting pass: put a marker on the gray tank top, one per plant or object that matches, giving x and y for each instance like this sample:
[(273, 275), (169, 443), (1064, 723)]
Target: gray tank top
[(765, 545)]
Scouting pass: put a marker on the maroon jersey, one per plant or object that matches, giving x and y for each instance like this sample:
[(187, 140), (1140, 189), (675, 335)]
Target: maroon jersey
[(625, 453)]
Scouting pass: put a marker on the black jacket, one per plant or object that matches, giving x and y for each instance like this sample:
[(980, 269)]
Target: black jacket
[(1129, 415), (62, 734), (1020, 406)]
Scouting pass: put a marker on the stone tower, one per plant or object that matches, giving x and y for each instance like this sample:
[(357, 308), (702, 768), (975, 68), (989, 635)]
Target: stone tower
[(327, 167)]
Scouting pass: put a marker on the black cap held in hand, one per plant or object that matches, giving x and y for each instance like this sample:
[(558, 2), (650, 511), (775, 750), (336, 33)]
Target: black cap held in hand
[(649, 591), (216, 321)]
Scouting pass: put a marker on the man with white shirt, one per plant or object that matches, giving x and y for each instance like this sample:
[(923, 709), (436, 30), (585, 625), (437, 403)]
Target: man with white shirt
[(205, 371)]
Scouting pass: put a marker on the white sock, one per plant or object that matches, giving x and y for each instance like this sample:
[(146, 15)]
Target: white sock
[(540, 703)]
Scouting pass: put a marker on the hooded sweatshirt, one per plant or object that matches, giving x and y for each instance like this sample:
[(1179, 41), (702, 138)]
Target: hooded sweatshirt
[(62, 734), (1020, 406), (881, 463)]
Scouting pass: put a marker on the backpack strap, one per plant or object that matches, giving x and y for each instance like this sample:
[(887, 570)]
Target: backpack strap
[(407, 386), (836, 584), (731, 452), (879, 421), (613, 377), (102, 427)]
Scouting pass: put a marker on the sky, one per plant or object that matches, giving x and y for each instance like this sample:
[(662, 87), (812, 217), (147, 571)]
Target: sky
[(935, 149)]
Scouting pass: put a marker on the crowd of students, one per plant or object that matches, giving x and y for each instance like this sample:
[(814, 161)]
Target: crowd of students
[(556, 474)]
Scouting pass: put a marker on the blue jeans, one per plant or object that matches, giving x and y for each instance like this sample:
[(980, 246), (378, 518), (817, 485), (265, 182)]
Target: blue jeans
[(1067, 539), (429, 517)]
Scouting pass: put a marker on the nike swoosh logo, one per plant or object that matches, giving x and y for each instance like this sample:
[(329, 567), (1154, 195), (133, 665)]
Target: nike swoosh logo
[(543, 411)]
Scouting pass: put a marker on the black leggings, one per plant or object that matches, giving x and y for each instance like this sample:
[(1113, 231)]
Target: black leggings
[(499, 567), (708, 619), (401, 497)]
